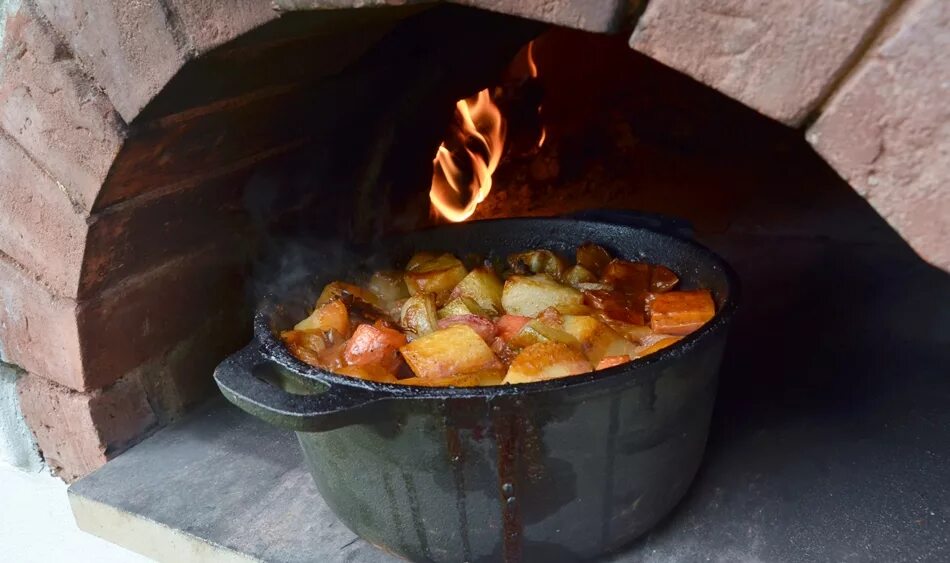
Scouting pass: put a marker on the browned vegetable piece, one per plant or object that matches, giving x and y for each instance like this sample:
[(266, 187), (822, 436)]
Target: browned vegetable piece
[(419, 258), (546, 360), (374, 344), (463, 306), (538, 262), (612, 361), (592, 257), (529, 295), (655, 343), (633, 333), (371, 372), (576, 275), (388, 286), (618, 305), (681, 312), (438, 276), (482, 286), (305, 345), (418, 315), (662, 279), (630, 277), (343, 291), (329, 316), (491, 377), (537, 331), (597, 340), (454, 350)]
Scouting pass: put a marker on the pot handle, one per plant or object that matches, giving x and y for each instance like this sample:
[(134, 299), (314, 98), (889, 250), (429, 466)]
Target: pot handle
[(664, 223), (336, 407)]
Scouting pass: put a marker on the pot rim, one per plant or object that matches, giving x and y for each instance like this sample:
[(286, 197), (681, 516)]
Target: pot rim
[(631, 372)]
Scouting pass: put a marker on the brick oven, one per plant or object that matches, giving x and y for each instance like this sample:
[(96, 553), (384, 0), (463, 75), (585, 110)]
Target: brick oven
[(159, 156)]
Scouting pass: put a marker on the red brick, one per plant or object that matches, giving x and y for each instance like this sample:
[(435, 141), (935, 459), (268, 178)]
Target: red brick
[(128, 240), (778, 58), (39, 227), (212, 139), (130, 48), (209, 24), (37, 329), (53, 110), (146, 316), (79, 432), (887, 129)]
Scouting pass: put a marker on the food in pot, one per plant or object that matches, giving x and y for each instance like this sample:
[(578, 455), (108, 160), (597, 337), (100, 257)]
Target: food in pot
[(439, 323)]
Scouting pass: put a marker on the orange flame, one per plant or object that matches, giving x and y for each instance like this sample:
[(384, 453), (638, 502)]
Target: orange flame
[(533, 72), (455, 193)]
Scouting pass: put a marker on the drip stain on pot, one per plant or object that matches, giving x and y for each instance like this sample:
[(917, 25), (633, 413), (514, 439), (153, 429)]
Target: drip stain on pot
[(507, 438), (416, 514), (453, 443)]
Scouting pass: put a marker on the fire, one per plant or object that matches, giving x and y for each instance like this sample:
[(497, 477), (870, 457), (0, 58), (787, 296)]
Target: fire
[(533, 71), (463, 166), (461, 176)]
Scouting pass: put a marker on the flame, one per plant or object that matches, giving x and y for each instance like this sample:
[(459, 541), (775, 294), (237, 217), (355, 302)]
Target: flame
[(533, 72), (455, 193)]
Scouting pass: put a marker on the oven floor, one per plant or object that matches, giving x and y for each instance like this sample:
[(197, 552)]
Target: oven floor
[(830, 440)]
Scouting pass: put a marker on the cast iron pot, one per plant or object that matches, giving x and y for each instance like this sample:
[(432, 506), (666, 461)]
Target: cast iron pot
[(560, 470)]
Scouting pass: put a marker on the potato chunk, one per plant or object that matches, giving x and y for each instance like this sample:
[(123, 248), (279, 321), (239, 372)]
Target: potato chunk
[(388, 286), (438, 276), (418, 315), (450, 351), (374, 344), (482, 286), (481, 325), (329, 316), (546, 360), (597, 340), (681, 312), (527, 296)]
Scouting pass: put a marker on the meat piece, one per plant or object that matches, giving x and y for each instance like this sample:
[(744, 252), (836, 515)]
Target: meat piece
[(619, 305), (681, 312)]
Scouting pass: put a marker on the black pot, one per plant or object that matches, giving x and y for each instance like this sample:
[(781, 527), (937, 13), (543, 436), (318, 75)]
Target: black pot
[(552, 471)]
